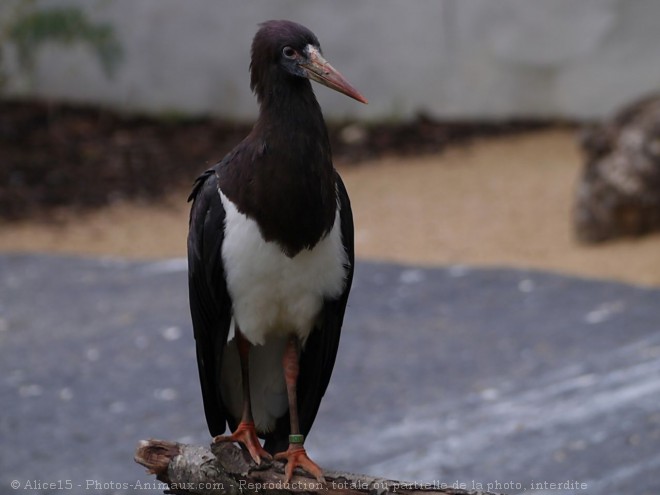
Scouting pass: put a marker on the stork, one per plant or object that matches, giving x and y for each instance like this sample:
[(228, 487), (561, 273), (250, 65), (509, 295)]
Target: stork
[(270, 258)]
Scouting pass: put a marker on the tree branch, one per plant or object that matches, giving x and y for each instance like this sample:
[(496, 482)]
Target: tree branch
[(224, 468)]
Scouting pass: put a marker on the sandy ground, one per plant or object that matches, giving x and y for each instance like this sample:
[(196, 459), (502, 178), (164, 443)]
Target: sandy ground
[(497, 202)]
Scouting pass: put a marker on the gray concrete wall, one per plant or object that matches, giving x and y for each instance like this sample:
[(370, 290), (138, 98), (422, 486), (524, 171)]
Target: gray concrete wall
[(450, 58)]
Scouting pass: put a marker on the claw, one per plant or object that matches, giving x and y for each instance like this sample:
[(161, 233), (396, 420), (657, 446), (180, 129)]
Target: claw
[(246, 435), (296, 456)]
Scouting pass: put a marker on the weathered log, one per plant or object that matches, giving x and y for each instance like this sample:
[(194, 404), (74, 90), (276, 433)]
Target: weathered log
[(618, 194), (224, 468)]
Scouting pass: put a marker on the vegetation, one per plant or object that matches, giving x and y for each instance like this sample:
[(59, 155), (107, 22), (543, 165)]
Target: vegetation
[(28, 28)]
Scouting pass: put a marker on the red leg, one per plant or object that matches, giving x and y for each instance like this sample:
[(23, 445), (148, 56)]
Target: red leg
[(245, 433), (295, 455)]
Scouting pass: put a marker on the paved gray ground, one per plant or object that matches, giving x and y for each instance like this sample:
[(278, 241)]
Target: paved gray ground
[(476, 376)]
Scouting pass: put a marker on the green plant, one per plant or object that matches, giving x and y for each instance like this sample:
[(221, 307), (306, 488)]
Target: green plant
[(28, 28)]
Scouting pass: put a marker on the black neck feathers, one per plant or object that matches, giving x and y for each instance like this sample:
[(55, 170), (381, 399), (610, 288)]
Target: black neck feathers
[(281, 175)]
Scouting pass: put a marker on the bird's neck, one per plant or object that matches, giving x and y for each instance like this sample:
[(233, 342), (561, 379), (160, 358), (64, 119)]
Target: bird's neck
[(290, 119), (292, 190)]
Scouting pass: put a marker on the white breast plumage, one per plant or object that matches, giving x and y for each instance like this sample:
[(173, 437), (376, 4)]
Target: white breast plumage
[(271, 293)]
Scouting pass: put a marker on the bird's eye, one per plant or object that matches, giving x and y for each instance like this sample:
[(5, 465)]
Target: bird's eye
[(288, 52)]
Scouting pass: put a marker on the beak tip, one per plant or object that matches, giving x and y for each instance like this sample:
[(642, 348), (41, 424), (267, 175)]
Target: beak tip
[(356, 95)]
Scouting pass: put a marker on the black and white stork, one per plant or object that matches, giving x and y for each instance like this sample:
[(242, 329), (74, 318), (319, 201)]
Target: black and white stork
[(270, 258)]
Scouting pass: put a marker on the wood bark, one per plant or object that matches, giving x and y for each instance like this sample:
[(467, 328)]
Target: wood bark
[(224, 468)]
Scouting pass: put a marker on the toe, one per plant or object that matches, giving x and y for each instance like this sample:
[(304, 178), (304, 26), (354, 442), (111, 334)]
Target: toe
[(297, 457), (246, 435)]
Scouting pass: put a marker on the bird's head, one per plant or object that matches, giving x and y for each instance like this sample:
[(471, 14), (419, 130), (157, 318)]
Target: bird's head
[(289, 48)]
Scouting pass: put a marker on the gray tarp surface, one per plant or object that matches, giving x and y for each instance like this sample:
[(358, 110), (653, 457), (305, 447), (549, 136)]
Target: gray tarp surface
[(481, 376)]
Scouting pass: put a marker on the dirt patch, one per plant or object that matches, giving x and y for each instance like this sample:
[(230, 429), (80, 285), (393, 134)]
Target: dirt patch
[(502, 201), (497, 202), (57, 156)]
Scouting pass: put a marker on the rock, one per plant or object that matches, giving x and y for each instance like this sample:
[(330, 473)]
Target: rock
[(618, 194)]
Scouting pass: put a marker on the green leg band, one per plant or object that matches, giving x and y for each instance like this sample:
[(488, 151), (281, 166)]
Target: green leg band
[(297, 438)]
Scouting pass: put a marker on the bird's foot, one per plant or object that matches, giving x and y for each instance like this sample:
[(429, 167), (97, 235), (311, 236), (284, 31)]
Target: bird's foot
[(246, 435), (295, 456)]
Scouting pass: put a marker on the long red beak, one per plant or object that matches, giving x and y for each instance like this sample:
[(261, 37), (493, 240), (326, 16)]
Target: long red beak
[(318, 69)]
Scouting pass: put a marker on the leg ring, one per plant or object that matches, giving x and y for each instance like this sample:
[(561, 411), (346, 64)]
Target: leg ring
[(297, 439)]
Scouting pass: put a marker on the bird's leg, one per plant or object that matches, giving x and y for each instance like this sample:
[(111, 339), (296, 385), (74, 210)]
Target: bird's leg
[(295, 455), (245, 433)]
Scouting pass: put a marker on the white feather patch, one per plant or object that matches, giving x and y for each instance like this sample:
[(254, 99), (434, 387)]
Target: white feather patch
[(273, 296), (272, 293)]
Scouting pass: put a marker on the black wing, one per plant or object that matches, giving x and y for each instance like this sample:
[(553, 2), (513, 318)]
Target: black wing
[(318, 357), (210, 305)]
